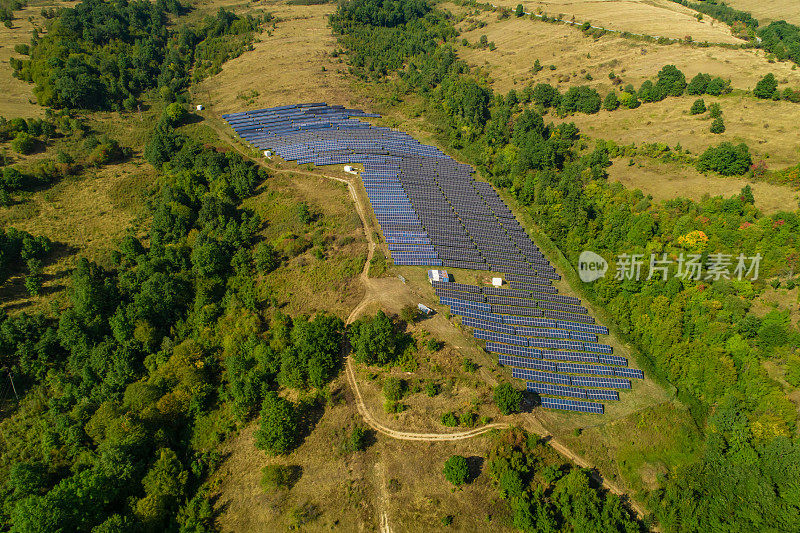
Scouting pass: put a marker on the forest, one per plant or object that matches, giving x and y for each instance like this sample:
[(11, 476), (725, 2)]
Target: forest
[(699, 335)]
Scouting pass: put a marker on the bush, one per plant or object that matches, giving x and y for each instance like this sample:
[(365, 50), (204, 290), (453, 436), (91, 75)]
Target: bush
[(176, 114), (507, 398), (431, 389), (450, 419), (434, 345), (374, 340), (456, 470), (394, 389), (519, 11), (277, 477), (23, 143), (611, 102), (727, 159), (469, 365), (718, 126), (357, 440), (582, 99), (409, 314), (766, 87), (714, 110), (698, 107)]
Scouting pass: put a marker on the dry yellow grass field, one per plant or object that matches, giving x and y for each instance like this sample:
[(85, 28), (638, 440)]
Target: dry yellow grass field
[(520, 41), (292, 63), (665, 181), (656, 18), (767, 11), (769, 128)]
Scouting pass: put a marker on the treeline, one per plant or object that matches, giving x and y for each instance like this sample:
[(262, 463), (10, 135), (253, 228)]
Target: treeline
[(779, 38), (703, 335), (104, 55)]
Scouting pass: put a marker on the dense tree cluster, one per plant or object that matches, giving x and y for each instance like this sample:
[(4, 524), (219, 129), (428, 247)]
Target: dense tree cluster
[(547, 497), (103, 55), (726, 158)]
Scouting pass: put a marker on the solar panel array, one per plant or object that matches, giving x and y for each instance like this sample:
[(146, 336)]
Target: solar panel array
[(558, 358), (433, 212)]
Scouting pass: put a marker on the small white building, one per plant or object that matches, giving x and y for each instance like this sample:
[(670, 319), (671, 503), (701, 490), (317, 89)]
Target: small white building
[(268, 154), (424, 309), (350, 170), (497, 282), (200, 107), (438, 275)]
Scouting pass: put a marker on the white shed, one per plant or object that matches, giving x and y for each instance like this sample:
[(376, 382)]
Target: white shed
[(350, 170), (497, 282), (268, 154), (424, 309), (200, 107)]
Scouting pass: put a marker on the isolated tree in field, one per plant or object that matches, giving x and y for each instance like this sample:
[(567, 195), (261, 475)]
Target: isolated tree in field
[(714, 110), (611, 102), (507, 398), (277, 433), (766, 87), (718, 126), (698, 107), (520, 10), (456, 470)]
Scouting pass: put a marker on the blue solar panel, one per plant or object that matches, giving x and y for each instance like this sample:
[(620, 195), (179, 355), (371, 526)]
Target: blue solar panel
[(572, 405)]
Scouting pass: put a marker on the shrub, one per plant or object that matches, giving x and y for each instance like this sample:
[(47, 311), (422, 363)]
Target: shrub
[(727, 159), (449, 419), (718, 126), (507, 398), (519, 11), (456, 470), (469, 365), (357, 440), (394, 389), (434, 345), (698, 107), (714, 110), (611, 102), (23, 143), (409, 313), (766, 87), (582, 99), (431, 389), (276, 477), (698, 84), (671, 81), (175, 113)]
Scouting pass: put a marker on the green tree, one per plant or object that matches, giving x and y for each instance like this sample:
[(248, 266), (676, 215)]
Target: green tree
[(698, 84), (698, 107), (176, 113), (766, 87), (456, 470), (374, 340), (611, 102), (277, 432), (718, 126), (727, 159), (394, 389), (507, 398), (519, 11), (714, 110), (24, 143), (671, 81), (265, 257)]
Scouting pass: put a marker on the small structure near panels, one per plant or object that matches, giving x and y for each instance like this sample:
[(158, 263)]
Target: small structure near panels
[(438, 275)]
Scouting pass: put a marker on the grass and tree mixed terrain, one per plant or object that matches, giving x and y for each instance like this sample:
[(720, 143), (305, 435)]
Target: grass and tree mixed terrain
[(179, 367)]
